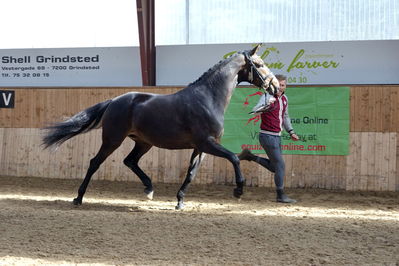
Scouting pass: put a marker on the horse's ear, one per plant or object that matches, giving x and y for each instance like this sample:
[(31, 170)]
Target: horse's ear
[(255, 50)]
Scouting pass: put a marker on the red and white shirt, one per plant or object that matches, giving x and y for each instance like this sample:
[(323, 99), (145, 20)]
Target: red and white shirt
[(274, 116)]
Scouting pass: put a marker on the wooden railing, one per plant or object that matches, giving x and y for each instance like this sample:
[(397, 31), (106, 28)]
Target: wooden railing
[(371, 165)]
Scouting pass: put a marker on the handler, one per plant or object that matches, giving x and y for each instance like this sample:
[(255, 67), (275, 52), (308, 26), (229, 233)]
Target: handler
[(274, 117)]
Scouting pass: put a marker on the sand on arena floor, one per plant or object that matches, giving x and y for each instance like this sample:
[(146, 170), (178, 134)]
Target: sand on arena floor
[(117, 225)]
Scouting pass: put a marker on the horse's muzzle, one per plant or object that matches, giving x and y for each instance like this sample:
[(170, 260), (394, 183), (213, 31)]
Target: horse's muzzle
[(271, 89)]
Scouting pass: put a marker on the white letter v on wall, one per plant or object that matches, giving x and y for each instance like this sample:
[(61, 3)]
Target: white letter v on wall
[(7, 99)]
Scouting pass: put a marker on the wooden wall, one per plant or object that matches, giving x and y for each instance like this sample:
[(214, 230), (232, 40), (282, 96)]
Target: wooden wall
[(371, 165)]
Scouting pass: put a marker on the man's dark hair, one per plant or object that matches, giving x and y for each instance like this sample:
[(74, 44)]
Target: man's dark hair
[(281, 77)]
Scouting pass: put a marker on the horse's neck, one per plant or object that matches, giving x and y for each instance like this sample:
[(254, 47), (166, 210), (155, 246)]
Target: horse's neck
[(223, 82)]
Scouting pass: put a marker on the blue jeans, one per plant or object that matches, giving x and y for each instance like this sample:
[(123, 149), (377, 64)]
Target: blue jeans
[(272, 145)]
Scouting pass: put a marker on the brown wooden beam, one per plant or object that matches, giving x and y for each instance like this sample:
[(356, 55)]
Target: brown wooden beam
[(146, 24)]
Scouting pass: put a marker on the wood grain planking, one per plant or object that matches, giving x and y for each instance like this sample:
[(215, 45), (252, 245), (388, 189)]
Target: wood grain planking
[(30, 156), (153, 173), (371, 109), (392, 168), (350, 163), (358, 160), (364, 155), (224, 170), (353, 105), (378, 108), (310, 172), (394, 108), (371, 157), (386, 115), (341, 170), (363, 120), (377, 96), (386, 160), (288, 170), (294, 171), (320, 171), (6, 147), (379, 179), (325, 178), (161, 165), (218, 167), (330, 176), (2, 148), (397, 163), (21, 152), (316, 169), (35, 142), (34, 107)]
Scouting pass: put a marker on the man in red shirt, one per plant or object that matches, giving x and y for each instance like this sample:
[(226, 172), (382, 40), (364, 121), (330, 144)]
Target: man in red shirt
[(275, 118)]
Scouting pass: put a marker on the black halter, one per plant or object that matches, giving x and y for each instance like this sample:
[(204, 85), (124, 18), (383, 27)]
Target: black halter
[(253, 69)]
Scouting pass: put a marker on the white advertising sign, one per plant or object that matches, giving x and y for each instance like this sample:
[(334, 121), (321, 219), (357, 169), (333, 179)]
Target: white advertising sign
[(304, 63), (79, 67)]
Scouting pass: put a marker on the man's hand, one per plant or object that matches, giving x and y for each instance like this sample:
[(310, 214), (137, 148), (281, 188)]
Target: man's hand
[(271, 100), (264, 107), (294, 137)]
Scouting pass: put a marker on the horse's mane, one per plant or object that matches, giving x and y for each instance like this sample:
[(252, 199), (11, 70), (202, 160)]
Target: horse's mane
[(220, 64)]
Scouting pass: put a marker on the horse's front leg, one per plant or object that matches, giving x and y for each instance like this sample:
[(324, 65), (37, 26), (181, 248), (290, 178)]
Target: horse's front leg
[(195, 162), (214, 148)]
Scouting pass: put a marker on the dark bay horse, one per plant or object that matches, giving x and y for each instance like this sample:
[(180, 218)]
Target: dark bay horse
[(191, 118)]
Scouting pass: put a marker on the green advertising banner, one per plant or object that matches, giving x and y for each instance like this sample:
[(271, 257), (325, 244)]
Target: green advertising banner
[(319, 115)]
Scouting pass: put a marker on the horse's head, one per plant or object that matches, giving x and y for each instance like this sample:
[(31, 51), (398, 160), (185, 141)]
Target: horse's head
[(257, 73)]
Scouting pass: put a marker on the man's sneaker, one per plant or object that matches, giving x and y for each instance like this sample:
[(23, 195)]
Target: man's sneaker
[(246, 155), (283, 198)]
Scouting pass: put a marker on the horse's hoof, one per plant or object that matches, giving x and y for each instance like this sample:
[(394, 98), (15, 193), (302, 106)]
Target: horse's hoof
[(77, 201), (237, 193), (179, 206), (150, 195)]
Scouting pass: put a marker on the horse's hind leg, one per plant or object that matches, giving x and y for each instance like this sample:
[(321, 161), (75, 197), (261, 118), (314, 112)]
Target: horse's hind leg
[(106, 149), (132, 160), (195, 161)]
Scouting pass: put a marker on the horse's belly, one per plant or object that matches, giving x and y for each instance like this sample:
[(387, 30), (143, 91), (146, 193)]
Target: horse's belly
[(178, 146), (163, 130), (165, 141), (172, 145)]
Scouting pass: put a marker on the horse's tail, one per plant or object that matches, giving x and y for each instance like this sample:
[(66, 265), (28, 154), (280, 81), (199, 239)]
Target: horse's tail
[(81, 122)]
